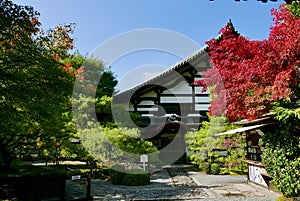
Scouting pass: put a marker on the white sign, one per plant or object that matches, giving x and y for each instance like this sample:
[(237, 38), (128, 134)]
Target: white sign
[(75, 177), (255, 176), (144, 158)]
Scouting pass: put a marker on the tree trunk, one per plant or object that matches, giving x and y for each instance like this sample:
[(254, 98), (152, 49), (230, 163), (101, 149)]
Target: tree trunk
[(6, 157)]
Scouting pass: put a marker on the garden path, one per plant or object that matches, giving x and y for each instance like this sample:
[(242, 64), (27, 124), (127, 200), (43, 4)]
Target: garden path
[(173, 183)]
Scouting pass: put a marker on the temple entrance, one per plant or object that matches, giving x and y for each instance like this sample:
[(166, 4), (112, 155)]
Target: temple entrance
[(170, 139)]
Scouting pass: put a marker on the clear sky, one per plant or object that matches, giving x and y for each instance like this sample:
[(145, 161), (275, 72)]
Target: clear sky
[(199, 20)]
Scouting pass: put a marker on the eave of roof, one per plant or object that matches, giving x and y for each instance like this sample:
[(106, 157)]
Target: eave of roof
[(249, 125), (155, 80), (243, 129)]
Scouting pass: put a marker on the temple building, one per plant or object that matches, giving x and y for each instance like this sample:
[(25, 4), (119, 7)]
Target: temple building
[(168, 104)]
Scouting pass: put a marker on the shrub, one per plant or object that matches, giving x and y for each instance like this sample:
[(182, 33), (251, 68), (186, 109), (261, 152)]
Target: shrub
[(117, 173), (283, 170), (202, 144), (282, 198), (136, 177), (205, 167), (281, 151), (215, 168)]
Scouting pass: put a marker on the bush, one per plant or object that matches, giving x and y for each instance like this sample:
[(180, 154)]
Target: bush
[(281, 149), (136, 177), (215, 168), (117, 173), (282, 198), (283, 169), (205, 167), (224, 171)]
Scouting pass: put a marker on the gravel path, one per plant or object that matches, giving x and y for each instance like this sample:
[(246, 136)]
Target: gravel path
[(227, 187), (173, 183)]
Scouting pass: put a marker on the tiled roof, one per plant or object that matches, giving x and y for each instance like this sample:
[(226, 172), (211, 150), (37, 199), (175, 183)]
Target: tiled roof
[(170, 70)]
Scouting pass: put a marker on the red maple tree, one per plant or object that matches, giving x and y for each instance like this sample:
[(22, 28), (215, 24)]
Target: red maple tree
[(248, 75)]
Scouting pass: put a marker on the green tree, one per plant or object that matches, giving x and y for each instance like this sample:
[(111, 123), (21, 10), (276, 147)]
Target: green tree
[(34, 87), (201, 144), (106, 84), (103, 110), (92, 70), (295, 9), (127, 139), (104, 142), (108, 145)]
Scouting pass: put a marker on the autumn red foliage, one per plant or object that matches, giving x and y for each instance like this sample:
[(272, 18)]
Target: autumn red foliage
[(248, 75)]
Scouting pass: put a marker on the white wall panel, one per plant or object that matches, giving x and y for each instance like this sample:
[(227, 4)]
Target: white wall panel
[(200, 107), (198, 90), (202, 99), (176, 99)]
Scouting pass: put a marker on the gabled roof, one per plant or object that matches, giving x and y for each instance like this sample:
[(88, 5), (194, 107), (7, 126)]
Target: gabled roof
[(184, 65)]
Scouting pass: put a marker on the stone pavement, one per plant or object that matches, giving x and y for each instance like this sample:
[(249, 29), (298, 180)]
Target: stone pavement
[(173, 183)]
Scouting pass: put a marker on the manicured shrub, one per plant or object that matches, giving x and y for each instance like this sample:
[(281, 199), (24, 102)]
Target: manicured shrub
[(215, 168), (136, 177), (205, 167), (117, 173)]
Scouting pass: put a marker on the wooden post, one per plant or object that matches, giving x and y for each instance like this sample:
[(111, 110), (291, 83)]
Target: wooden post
[(88, 187), (88, 184)]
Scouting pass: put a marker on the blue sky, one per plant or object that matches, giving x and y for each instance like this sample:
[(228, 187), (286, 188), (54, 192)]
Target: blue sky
[(199, 20)]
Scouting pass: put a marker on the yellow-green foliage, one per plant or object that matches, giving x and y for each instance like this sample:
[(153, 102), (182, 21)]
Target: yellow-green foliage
[(201, 144), (282, 150), (110, 144)]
